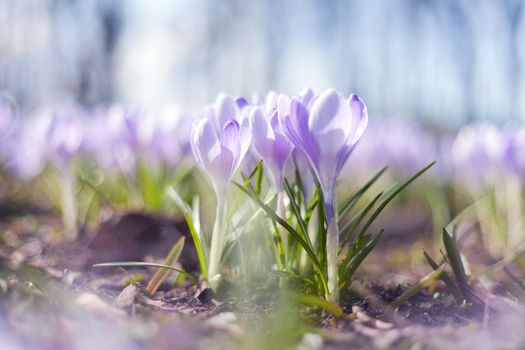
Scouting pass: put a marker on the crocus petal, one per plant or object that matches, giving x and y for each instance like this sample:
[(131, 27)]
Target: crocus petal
[(204, 142), (225, 109), (306, 96), (230, 148), (359, 117), (271, 144), (271, 102), (241, 102), (261, 132), (295, 127)]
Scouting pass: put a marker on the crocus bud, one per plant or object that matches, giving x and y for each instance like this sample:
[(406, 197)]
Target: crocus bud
[(220, 155)]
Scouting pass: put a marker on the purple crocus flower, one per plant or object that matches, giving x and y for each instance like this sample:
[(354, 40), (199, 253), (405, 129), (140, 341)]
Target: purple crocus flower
[(24, 150), (474, 151), (271, 144), (220, 155), (64, 137), (326, 132)]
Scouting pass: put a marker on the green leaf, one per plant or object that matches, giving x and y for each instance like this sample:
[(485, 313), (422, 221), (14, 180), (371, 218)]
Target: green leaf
[(351, 202), (444, 277), (348, 275), (162, 274), (150, 186), (348, 231), (392, 195), (455, 259), (298, 237), (177, 199), (297, 212), (410, 292), (144, 264), (329, 306), (199, 246), (310, 210), (258, 182)]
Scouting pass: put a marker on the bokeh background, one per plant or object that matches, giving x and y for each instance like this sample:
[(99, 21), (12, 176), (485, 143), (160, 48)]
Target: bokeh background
[(446, 62)]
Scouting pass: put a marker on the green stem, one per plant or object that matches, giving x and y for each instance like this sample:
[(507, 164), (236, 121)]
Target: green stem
[(217, 244), (281, 212), (69, 210), (332, 246)]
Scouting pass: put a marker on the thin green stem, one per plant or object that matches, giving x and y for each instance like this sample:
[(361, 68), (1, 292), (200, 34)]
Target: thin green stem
[(217, 244)]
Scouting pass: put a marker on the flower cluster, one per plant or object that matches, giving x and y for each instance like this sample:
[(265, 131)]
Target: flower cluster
[(296, 146), (324, 129)]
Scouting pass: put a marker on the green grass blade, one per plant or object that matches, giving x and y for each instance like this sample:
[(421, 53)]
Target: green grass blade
[(351, 202), (198, 239), (161, 274), (257, 170), (348, 231), (444, 277), (297, 212), (329, 306), (199, 246), (298, 237), (149, 265), (454, 258), (259, 179), (150, 187), (311, 207), (348, 275), (177, 199), (410, 292), (391, 196)]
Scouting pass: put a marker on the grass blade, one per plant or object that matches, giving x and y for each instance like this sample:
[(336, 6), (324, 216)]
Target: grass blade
[(392, 195), (198, 239), (291, 230), (348, 231), (444, 277), (297, 212), (200, 246), (347, 276), (145, 264), (351, 202), (410, 292), (329, 306), (455, 259), (162, 273)]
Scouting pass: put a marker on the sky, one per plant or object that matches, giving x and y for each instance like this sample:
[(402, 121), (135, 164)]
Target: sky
[(446, 62)]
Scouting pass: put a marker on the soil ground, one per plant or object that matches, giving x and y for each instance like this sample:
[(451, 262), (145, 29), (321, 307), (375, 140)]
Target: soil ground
[(52, 298)]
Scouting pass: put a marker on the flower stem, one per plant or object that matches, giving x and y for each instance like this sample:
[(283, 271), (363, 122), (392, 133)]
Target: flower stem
[(217, 244), (281, 212), (332, 247), (68, 205)]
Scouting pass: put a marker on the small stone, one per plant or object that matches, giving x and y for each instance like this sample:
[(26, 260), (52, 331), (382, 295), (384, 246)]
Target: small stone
[(127, 297), (95, 305), (221, 319), (311, 341), (206, 296)]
